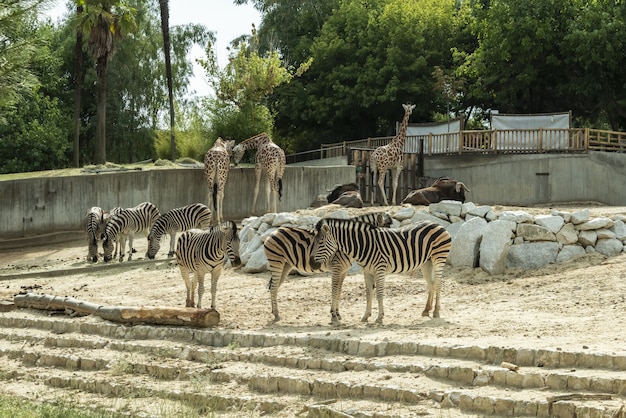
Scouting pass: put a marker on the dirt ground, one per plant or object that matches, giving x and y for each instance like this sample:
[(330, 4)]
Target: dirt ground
[(577, 306)]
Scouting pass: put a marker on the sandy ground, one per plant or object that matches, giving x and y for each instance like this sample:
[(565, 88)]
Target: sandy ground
[(578, 305)]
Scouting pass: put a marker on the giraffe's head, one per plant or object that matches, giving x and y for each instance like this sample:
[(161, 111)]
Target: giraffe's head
[(238, 152), (408, 108)]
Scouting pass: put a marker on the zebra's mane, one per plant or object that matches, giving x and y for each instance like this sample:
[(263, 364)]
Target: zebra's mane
[(343, 222)]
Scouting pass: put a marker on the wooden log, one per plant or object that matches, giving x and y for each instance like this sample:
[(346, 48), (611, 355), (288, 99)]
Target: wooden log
[(158, 315)]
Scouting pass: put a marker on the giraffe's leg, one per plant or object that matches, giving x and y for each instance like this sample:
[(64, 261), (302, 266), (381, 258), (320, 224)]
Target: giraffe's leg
[(220, 201), (373, 192), (427, 271), (394, 184), (271, 192), (381, 185), (258, 173)]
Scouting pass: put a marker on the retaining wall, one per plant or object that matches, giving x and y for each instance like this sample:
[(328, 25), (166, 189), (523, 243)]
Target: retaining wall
[(37, 206)]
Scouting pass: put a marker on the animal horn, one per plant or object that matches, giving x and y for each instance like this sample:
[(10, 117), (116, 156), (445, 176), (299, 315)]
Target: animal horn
[(460, 186)]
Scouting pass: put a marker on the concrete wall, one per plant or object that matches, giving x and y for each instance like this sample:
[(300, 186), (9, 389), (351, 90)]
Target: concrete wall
[(45, 205), (38, 206), (523, 180)]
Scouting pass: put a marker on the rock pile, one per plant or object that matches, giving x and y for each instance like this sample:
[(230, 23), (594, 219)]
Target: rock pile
[(481, 237)]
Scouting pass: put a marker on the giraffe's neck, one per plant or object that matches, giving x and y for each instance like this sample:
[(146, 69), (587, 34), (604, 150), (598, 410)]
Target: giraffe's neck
[(398, 140), (255, 141)]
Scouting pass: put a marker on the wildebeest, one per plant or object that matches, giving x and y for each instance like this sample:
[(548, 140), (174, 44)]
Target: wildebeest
[(349, 199), (444, 188), (341, 189)]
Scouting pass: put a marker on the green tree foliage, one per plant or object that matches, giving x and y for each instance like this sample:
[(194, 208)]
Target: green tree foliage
[(368, 59), (18, 45), (35, 132)]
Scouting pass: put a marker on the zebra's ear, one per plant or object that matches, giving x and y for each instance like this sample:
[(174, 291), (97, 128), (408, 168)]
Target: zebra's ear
[(380, 219), (325, 229)]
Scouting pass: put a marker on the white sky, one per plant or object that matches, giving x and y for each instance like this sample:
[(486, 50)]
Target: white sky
[(227, 20)]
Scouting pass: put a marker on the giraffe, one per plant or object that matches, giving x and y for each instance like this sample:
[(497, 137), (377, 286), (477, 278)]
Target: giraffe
[(216, 162), (270, 158), (390, 157)]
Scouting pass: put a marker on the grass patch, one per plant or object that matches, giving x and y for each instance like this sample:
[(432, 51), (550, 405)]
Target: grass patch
[(12, 407)]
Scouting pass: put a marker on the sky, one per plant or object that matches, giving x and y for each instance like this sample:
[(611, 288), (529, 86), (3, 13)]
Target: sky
[(225, 19)]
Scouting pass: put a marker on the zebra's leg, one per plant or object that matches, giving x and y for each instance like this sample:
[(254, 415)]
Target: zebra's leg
[(380, 291), (200, 279), (215, 274), (339, 267), (130, 246), (437, 278), (257, 173), (369, 287), (189, 285), (279, 273), (172, 243), (122, 246), (427, 271)]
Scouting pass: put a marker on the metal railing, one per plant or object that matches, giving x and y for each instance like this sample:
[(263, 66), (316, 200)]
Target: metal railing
[(526, 141)]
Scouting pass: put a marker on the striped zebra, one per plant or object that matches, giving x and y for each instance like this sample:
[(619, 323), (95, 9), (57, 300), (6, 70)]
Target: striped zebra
[(94, 225), (176, 220), (290, 247), (203, 251), (125, 224), (381, 251)]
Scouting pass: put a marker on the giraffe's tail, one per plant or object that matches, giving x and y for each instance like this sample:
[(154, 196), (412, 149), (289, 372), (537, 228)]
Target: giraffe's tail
[(280, 189), (215, 196)]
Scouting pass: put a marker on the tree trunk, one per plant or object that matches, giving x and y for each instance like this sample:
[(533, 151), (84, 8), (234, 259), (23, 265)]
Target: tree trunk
[(101, 71), (165, 29), (78, 82), (159, 315)]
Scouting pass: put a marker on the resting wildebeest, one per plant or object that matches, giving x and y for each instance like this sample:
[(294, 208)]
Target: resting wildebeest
[(349, 199), (341, 189), (444, 188)]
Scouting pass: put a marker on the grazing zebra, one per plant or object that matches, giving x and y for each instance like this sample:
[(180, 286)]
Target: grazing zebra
[(381, 251), (94, 225), (125, 224), (203, 251), (176, 220), (290, 247)]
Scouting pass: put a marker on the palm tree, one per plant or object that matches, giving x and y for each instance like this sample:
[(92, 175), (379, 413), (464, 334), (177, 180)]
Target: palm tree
[(165, 29), (104, 22), (78, 82)]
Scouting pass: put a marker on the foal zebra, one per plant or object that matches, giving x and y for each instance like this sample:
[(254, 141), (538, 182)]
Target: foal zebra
[(381, 251), (290, 247), (203, 251), (176, 220), (94, 225), (125, 224)]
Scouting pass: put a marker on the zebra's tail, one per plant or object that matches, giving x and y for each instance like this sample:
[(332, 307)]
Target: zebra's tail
[(215, 196), (280, 189)]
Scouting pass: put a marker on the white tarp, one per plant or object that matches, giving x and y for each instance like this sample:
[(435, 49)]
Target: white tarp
[(532, 123), (447, 143)]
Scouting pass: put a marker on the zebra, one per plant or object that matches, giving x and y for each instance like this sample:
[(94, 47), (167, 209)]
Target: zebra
[(94, 222), (381, 251), (125, 224), (290, 247), (203, 251), (176, 220)]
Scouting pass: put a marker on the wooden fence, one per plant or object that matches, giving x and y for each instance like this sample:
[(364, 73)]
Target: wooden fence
[(478, 142)]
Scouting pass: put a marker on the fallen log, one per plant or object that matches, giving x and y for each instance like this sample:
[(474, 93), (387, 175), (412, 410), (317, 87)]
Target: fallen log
[(158, 315)]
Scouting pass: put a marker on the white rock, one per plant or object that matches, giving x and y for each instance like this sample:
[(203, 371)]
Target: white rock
[(495, 246), (405, 212), (567, 235), (481, 211), (466, 243), (517, 216), (449, 207), (257, 262), (568, 252), (587, 238), (609, 247), (580, 217), (532, 232), (553, 223), (284, 218), (595, 223), (532, 255), (619, 229)]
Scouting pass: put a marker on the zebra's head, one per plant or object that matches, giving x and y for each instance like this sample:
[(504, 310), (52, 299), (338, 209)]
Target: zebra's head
[(154, 245), (229, 229), (324, 245)]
